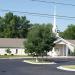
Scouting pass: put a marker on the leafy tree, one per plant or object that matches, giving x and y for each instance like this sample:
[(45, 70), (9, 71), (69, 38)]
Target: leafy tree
[(61, 34), (2, 26), (69, 33), (40, 39), (13, 26)]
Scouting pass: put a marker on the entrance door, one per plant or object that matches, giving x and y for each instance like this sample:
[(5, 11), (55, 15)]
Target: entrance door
[(57, 50)]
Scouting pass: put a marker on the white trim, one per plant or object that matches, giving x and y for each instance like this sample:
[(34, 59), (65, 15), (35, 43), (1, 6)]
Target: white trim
[(63, 51), (66, 50), (37, 63)]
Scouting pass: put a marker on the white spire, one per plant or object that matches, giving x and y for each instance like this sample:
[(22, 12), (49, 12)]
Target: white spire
[(54, 29), (54, 21)]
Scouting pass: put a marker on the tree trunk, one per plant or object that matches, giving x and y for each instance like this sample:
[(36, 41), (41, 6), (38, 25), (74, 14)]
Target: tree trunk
[(42, 58), (36, 59), (46, 55)]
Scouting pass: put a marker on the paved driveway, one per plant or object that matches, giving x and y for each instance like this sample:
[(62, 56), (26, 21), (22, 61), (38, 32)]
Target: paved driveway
[(17, 67)]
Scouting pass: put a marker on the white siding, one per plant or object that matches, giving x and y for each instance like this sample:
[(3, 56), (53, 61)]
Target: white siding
[(2, 51), (20, 51)]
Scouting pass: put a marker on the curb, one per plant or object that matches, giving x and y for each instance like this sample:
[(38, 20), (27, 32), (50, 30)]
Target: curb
[(37, 63), (66, 69), (15, 57)]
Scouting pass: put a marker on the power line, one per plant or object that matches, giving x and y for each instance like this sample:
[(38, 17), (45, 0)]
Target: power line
[(42, 15), (53, 2), (25, 12)]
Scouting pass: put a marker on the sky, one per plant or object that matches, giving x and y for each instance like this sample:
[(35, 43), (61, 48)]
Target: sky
[(43, 8)]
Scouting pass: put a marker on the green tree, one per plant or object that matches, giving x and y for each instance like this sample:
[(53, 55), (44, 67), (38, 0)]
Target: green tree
[(61, 34), (40, 39), (69, 33), (13, 26), (2, 26)]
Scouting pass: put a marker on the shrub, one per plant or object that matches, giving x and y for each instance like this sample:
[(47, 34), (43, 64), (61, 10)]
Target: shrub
[(12, 54), (8, 51), (5, 54)]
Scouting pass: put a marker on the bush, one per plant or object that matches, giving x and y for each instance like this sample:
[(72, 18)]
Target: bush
[(12, 54), (5, 54), (8, 51), (72, 53)]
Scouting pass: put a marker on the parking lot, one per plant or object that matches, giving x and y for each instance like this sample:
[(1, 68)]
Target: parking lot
[(17, 67)]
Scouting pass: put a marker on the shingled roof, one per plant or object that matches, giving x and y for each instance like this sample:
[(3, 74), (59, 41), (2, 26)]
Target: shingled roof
[(71, 41), (18, 43), (65, 40), (11, 42)]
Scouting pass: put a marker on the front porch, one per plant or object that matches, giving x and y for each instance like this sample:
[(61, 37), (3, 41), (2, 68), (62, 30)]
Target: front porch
[(61, 50)]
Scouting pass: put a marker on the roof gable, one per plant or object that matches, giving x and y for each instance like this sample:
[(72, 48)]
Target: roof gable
[(71, 41), (60, 41), (63, 41)]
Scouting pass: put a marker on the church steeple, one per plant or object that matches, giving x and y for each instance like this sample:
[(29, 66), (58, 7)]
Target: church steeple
[(54, 29)]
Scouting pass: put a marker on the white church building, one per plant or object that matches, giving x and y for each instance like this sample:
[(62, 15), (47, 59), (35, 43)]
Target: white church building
[(15, 46), (62, 46)]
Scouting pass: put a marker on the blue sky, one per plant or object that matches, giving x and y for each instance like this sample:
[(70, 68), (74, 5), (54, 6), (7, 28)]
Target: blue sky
[(32, 6)]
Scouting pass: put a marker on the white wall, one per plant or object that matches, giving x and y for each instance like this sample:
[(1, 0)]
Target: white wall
[(20, 51), (2, 51), (57, 50)]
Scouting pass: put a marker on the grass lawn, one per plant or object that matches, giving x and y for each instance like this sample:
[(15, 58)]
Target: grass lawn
[(39, 61), (34, 61), (69, 66)]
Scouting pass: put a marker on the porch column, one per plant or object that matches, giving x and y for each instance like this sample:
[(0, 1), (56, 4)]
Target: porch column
[(63, 50), (66, 50)]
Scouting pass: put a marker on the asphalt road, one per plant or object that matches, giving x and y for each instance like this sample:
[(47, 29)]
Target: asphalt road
[(17, 67)]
